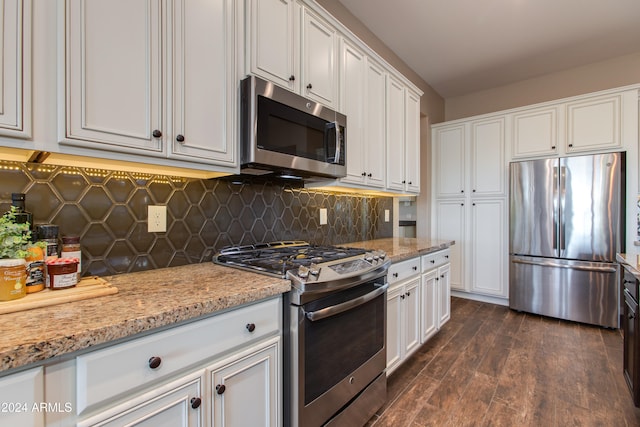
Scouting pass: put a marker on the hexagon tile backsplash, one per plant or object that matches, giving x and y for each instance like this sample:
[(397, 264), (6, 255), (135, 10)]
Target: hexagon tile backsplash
[(108, 210)]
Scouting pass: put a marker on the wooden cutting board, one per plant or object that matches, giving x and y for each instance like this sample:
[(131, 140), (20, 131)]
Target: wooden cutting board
[(89, 287)]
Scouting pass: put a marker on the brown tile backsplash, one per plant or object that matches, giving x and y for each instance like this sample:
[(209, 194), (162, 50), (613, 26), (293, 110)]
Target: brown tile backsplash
[(108, 210)]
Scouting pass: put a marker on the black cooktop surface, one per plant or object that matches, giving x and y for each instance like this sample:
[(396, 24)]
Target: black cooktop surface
[(277, 258)]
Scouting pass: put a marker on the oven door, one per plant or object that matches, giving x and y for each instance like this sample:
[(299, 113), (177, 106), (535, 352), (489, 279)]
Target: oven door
[(338, 345)]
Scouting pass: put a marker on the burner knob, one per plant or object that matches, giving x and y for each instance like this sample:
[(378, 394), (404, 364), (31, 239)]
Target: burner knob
[(314, 270), (382, 255), (376, 256), (303, 272), (368, 257)]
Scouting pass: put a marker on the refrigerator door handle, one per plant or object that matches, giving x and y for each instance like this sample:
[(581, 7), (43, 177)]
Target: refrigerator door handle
[(555, 208), (563, 195), (559, 265)]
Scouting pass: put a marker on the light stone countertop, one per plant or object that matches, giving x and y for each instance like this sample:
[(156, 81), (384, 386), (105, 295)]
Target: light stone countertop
[(145, 301), (153, 299), (401, 248), (631, 262)]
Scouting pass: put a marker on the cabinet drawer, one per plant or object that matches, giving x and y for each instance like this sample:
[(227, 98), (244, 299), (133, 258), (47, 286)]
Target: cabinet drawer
[(117, 370), (435, 259), (630, 283), (403, 270)]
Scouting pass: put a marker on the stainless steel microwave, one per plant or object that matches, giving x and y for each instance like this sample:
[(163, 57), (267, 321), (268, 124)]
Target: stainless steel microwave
[(288, 135)]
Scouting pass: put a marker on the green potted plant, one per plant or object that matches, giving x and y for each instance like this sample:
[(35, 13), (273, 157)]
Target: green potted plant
[(14, 243)]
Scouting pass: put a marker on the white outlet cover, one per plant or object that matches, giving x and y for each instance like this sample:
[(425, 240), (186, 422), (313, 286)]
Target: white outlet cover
[(323, 216), (157, 219), (386, 215)]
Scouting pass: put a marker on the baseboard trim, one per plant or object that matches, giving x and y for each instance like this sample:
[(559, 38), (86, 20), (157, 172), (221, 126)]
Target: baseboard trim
[(481, 298)]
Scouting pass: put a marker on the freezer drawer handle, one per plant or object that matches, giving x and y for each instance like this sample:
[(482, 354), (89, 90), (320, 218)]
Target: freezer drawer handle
[(339, 308), (572, 267)]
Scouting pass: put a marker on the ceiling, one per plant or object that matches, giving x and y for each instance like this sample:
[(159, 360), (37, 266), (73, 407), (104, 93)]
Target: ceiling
[(463, 46)]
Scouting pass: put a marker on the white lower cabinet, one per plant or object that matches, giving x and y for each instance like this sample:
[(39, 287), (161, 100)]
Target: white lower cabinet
[(166, 378), (245, 388), (176, 404), (436, 293), (403, 312), (418, 304), (21, 396)]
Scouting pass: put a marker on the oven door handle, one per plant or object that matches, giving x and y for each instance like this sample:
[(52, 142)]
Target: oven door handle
[(342, 307)]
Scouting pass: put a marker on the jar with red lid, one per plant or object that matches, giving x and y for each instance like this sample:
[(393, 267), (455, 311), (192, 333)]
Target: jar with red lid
[(71, 249), (62, 273)]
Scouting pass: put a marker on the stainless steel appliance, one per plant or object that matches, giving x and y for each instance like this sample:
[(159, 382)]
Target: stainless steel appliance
[(335, 326), (289, 135), (566, 225)]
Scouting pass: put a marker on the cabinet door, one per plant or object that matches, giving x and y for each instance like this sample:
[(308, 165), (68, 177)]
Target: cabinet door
[(395, 135), (488, 247), (205, 83), (444, 294), (375, 124), (593, 124), (394, 325), (487, 157), (18, 395), (430, 303), (245, 388), (450, 225), (352, 104), (319, 60), (448, 158), (15, 66), (274, 32), (113, 75), (412, 142), (411, 302), (177, 404), (535, 132)]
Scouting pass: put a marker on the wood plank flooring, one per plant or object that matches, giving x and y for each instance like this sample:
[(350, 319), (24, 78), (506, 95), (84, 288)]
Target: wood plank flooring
[(491, 366)]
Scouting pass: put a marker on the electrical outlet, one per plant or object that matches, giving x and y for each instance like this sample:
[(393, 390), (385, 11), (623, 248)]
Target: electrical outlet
[(386, 215), (323, 216), (157, 219)]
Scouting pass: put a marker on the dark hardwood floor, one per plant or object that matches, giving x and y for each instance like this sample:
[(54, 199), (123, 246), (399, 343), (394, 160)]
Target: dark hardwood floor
[(491, 366)]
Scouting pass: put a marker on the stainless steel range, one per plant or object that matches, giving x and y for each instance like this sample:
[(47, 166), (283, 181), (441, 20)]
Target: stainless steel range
[(335, 325)]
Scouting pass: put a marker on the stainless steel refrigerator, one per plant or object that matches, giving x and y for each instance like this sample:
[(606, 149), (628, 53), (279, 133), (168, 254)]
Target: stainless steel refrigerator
[(566, 225)]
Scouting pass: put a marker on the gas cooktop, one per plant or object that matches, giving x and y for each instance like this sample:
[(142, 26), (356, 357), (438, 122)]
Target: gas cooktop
[(276, 258)]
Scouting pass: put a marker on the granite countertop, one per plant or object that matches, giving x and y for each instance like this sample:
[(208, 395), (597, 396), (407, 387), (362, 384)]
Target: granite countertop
[(631, 262), (401, 248), (145, 300), (154, 299)]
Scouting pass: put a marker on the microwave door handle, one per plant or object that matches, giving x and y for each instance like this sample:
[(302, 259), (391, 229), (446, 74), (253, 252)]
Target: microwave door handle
[(336, 158)]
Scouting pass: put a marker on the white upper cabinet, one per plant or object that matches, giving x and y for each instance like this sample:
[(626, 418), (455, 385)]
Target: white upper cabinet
[(395, 134), (535, 132), (293, 47), (593, 123), (488, 172), (114, 71), (449, 154), (403, 138), (375, 125), (363, 102), (142, 79), (15, 68), (352, 77), (412, 141), (274, 41), (205, 81), (319, 60)]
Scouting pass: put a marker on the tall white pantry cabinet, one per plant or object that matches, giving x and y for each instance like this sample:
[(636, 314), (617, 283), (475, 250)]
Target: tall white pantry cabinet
[(470, 168)]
